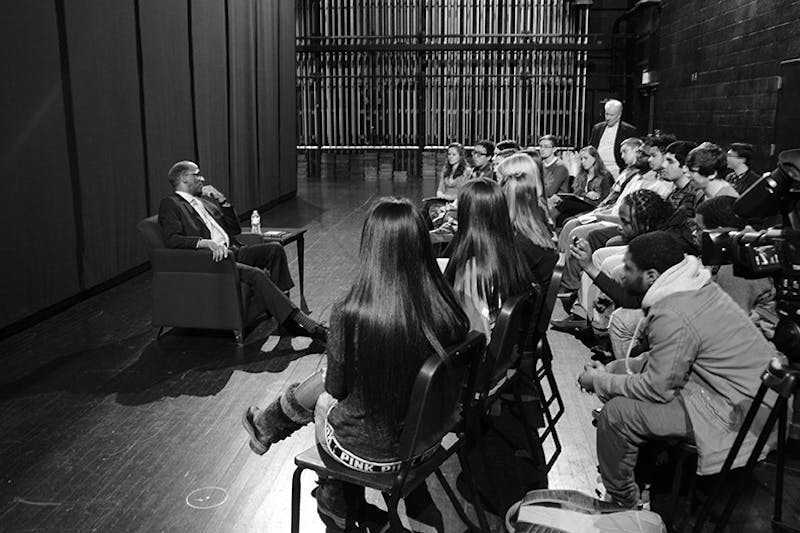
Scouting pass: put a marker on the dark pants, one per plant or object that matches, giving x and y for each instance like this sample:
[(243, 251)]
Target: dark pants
[(341, 505), (571, 279), (623, 426), (270, 256), (269, 287)]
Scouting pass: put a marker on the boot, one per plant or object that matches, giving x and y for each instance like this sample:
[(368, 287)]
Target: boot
[(279, 420)]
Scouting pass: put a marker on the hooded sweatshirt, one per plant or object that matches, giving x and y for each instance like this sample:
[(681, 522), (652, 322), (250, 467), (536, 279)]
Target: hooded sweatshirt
[(704, 352)]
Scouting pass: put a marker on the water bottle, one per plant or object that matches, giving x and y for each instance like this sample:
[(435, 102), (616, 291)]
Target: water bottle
[(255, 222)]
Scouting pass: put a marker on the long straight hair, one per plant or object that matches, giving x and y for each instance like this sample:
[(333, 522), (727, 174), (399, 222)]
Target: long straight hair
[(398, 287), (527, 216), (485, 235)]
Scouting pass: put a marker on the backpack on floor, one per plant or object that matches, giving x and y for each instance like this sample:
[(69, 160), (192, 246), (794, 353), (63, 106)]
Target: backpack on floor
[(571, 511)]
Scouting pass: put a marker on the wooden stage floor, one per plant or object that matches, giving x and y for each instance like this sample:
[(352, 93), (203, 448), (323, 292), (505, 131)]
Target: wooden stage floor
[(104, 428)]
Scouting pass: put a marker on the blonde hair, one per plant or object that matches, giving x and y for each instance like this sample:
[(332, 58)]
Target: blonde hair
[(522, 188), (521, 164)]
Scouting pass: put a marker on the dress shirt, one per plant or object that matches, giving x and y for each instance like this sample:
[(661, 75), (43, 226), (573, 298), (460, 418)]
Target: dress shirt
[(218, 234), (606, 149)]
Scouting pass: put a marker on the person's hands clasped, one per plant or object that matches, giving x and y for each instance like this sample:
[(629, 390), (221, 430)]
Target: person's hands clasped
[(586, 378)]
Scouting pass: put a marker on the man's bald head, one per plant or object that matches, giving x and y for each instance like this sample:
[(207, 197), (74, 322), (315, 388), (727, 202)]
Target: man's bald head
[(178, 170), (613, 109)]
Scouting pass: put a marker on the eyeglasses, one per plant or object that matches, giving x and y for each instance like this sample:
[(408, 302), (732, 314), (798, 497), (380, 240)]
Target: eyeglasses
[(544, 146), (482, 154)]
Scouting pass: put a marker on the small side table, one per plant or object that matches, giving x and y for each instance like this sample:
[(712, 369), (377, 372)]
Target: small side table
[(284, 236)]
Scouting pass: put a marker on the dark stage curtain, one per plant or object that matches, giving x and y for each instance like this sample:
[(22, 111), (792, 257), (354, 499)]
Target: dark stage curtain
[(269, 101), (39, 263), (211, 90), (243, 140), (100, 98), (167, 82), (101, 38), (287, 133)]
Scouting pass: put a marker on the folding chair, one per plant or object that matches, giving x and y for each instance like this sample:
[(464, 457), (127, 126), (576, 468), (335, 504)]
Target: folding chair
[(500, 379), (534, 358), (543, 368), (440, 392)]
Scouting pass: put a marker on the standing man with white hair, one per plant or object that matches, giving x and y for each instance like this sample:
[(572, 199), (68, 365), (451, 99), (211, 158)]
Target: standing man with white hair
[(607, 136)]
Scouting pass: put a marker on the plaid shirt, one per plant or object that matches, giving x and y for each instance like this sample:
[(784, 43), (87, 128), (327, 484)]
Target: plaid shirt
[(683, 198)]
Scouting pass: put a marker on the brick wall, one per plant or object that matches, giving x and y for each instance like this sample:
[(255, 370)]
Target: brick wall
[(719, 63)]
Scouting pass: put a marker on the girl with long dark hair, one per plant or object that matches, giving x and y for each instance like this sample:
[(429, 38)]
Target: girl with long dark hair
[(376, 347), (485, 267)]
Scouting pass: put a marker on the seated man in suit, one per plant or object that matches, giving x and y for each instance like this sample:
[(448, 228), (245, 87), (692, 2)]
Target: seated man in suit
[(199, 216)]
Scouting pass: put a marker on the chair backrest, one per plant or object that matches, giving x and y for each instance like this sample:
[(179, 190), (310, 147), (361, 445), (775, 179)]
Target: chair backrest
[(514, 323), (437, 395), (151, 232), (549, 303)]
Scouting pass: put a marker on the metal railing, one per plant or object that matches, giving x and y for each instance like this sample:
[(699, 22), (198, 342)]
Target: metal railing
[(415, 73)]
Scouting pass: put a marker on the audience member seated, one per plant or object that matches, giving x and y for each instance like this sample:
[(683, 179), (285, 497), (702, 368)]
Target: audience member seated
[(591, 183), (376, 349), (606, 214), (532, 237), (555, 174), (482, 154), (485, 267), (441, 210), (608, 135), (641, 212), (683, 195), (701, 369), (706, 164), (755, 296), (738, 160), (198, 216)]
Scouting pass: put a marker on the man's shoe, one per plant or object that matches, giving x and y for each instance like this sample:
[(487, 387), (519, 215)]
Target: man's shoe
[(571, 324)]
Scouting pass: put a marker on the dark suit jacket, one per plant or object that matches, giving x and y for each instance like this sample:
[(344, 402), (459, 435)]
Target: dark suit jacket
[(183, 227), (624, 131)]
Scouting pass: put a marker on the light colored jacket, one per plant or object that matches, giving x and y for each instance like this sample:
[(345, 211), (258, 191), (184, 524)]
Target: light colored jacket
[(705, 352)]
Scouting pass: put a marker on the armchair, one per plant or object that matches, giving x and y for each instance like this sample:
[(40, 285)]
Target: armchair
[(192, 291)]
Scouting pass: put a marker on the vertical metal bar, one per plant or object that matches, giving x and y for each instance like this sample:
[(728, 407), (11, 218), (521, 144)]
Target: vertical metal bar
[(420, 71)]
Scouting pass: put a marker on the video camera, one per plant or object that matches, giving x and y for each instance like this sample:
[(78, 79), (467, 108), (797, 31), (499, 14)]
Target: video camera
[(771, 252)]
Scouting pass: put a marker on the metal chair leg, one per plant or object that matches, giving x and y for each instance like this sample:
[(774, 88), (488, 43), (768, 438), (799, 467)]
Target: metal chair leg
[(476, 497), (395, 525), (457, 505), (296, 500)]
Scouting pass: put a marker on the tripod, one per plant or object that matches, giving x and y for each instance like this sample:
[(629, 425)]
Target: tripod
[(785, 380)]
